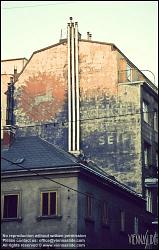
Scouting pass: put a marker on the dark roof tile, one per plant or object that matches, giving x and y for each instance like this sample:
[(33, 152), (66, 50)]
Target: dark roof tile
[(37, 153)]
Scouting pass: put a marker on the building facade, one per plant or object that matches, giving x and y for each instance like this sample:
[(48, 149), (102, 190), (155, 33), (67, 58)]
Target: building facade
[(9, 72), (87, 96), (46, 191)]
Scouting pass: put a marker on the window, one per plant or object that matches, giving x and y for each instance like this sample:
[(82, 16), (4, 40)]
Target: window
[(122, 221), (149, 200), (145, 110), (147, 154), (157, 159), (48, 203), (105, 213), (157, 206), (136, 225), (129, 72), (155, 121), (10, 206), (89, 201)]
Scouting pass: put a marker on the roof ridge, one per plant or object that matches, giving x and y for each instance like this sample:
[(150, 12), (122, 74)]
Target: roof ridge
[(114, 181)]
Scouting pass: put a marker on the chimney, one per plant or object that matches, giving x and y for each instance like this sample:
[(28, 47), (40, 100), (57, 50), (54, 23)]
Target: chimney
[(10, 102), (8, 136), (90, 36), (71, 19), (15, 70), (15, 74)]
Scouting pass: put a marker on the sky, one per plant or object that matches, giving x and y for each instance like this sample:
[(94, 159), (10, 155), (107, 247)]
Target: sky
[(27, 26)]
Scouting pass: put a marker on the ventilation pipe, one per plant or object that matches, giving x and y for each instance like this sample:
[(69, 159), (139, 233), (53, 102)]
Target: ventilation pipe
[(73, 87)]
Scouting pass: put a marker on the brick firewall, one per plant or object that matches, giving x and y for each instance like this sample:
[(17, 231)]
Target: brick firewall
[(41, 93), (113, 142)]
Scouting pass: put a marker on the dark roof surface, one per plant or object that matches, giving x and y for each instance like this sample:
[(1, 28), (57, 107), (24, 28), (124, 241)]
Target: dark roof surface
[(34, 152)]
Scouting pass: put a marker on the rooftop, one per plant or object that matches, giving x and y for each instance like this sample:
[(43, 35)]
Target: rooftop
[(33, 152), (36, 153)]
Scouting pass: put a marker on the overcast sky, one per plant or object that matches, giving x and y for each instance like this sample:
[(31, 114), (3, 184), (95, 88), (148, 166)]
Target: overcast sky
[(131, 25)]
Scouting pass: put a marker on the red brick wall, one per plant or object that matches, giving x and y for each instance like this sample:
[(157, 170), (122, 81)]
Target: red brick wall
[(43, 86)]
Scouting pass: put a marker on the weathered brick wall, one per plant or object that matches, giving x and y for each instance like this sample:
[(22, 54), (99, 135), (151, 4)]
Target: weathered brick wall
[(113, 142), (41, 94)]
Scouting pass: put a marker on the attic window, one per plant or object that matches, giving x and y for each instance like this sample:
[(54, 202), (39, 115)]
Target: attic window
[(129, 73)]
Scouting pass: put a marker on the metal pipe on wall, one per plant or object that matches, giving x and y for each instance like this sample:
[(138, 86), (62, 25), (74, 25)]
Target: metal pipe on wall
[(77, 88), (73, 88), (69, 87)]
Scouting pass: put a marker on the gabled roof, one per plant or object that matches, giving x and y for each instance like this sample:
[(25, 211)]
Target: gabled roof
[(35, 152)]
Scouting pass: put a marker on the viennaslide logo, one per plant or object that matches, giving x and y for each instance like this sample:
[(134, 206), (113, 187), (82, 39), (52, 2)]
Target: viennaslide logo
[(143, 239)]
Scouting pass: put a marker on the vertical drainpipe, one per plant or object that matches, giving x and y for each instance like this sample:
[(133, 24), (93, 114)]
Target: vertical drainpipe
[(77, 88), (73, 89), (69, 88)]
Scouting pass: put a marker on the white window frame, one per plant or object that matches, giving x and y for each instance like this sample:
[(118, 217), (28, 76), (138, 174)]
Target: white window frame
[(155, 121), (129, 72), (149, 200), (41, 204), (145, 156), (156, 159), (145, 109)]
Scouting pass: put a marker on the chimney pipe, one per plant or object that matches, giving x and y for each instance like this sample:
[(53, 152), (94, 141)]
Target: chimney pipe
[(71, 19), (15, 74), (10, 103), (8, 136), (90, 36), (15, 70)]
